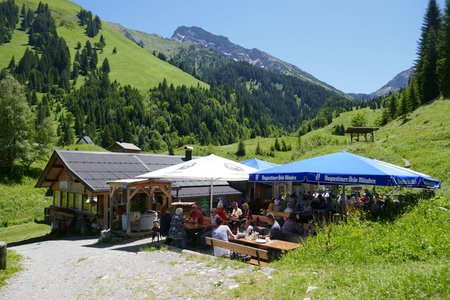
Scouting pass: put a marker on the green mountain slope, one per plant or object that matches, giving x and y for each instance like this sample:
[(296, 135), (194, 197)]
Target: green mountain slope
[(423, 140), (131, 65)]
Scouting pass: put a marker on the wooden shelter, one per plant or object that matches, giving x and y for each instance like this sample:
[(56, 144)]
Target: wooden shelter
[(123, 191), (124, 147), (355, 133)]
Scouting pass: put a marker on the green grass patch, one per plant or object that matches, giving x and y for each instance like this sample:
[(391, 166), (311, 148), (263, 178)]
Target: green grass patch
[(403, 259), (13, 265), (20, 201), (23, 232), (155, 248)]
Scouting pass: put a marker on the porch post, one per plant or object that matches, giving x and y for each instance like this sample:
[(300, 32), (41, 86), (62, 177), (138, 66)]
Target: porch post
[(128, 210)]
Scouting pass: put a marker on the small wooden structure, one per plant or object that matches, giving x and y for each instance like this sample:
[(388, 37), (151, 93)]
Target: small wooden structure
[(124, 147), (122, 192), (355, 133), (85, 139)]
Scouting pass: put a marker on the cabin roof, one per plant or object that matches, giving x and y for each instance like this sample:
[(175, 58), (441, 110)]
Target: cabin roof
[(95, 169)]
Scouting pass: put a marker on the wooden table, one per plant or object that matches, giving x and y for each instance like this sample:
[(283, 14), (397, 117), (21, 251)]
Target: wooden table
[(282, 246), (192, 226)]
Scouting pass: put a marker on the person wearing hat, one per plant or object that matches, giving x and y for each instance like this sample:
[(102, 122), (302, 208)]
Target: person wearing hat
[(196, 215)]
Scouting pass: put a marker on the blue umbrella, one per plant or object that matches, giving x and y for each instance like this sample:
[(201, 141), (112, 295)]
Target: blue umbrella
[(258, 164), (345, 168)]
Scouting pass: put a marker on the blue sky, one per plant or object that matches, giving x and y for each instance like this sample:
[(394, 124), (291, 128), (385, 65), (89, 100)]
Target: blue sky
[(355, 45)]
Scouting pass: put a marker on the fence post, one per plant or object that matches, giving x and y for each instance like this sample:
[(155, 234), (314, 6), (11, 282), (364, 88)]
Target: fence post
[(2, 255)]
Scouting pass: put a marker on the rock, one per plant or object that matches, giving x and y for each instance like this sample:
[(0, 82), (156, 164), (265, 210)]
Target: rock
[(311, 288)]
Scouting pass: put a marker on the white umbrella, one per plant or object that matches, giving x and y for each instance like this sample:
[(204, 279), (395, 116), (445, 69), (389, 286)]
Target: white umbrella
[(212, 168)]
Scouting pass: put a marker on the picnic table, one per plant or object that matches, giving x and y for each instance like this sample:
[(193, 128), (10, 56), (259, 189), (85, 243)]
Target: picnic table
[(278, 245)]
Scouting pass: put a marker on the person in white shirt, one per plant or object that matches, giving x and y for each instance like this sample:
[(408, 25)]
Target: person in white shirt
[(237, 212), (221, 232)]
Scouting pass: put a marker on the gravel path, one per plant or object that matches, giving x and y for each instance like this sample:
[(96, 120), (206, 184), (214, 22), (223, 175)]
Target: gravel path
[(79, 268)]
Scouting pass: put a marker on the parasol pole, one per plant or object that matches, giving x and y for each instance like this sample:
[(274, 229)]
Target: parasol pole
[(211, 196)]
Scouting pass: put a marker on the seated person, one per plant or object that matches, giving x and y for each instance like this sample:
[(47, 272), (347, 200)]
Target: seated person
[(291, 226), (249, 227), (307, 213), (236, 212), (176, 230), (246, 212), (220, 212), (213, 217), (275, 229), (221, 232), (289, 208), (196, 215)]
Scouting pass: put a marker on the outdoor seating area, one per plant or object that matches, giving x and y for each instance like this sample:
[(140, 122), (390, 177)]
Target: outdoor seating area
[(299, 197)]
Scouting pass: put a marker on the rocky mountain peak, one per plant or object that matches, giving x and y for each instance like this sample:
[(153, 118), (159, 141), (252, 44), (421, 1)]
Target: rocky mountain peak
[(236, 52)]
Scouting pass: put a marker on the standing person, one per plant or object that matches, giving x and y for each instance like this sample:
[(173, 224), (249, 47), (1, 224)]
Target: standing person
[(221, 232), (164, 225), (176, 231)]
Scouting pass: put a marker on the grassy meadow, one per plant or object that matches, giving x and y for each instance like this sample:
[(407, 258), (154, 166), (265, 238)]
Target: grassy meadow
[(423, 140), (131, 65)]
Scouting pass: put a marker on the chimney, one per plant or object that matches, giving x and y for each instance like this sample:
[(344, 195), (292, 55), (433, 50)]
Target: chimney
[(188, 153)]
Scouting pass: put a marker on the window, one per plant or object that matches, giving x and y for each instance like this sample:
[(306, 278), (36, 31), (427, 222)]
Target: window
[(85, 202), (76, 201), (57, 198), (64, 202)]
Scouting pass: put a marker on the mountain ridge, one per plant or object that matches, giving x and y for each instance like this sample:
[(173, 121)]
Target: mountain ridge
[(254, 56)]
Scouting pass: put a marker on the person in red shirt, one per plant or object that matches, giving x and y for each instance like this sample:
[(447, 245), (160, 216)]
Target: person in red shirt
[(220, 212), (196, 215)]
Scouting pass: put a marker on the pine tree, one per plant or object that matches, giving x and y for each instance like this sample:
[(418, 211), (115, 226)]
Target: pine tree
[(258, 150), (276, 145), (84, 62), (114, 51), (241, 148), (392, 107), (443, 64), (105, 66), (12, 66), (93, 60), (403, 107), (427, 85)]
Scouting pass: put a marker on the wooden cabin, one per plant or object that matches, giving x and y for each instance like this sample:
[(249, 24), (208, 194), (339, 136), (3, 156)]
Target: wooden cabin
[(78, 182)]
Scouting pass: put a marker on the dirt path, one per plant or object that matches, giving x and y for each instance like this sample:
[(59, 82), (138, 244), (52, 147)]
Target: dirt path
[(80, 269)]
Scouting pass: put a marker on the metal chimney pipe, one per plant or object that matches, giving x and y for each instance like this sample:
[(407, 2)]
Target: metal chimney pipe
[(188, 153)]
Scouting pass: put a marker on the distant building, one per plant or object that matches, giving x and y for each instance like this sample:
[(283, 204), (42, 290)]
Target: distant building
[(85, 139), (124, 147)]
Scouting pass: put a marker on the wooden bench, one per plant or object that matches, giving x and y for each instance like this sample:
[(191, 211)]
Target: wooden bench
[(257, 255), (281, 214), (261, 218)]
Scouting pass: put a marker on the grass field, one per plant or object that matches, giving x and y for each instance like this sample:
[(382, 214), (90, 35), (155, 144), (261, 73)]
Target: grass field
[(404, 259), (131, 65), (423, 140)]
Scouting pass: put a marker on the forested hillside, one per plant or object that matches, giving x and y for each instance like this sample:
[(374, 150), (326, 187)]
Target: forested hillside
[(72, 67)]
